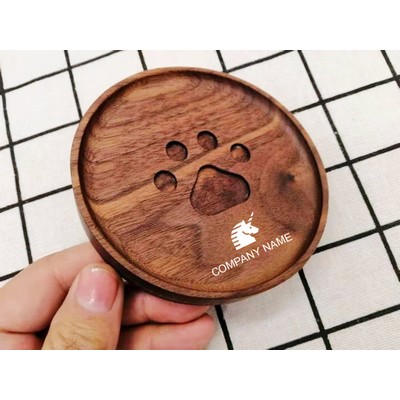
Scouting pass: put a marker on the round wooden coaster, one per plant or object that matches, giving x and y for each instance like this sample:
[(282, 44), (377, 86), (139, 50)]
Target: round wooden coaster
[(197, 186)]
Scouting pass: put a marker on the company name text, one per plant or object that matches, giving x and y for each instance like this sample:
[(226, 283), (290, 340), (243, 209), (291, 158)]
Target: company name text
[(251, 254)]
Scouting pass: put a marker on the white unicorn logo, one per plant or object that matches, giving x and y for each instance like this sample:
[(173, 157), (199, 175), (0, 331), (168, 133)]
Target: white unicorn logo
[(241, 233)]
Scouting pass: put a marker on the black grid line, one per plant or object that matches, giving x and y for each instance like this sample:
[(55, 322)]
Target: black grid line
[(9, 276), (90, 60), (391, 67), (38, 79), (260, 60), (345, 94), (16, 174), (60, 71), (221, 60), (365, 318), (34, 198), (344, 241), (224, 327), (9, 207), (315, 311), (391, 225), (71, 77), (364, 157), (352, 169), (36, 135), (338, 328), (142, 60), (47, 194), (296, 342)]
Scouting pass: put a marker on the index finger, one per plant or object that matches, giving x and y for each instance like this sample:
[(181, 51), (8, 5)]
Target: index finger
[(30, 300)]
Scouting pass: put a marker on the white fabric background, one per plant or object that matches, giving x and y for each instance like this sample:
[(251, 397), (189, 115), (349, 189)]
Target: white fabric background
[(348, 295)]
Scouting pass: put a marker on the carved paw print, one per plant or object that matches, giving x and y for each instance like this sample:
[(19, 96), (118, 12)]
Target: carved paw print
[(214, 190)]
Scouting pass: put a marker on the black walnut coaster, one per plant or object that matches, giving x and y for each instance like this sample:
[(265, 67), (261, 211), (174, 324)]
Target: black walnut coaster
[(197, 186)]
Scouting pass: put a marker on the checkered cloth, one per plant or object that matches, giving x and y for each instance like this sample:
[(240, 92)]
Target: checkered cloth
[(347, 296)]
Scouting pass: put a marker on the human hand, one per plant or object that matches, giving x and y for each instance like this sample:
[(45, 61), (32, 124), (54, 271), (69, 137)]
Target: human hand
[(73, 300)]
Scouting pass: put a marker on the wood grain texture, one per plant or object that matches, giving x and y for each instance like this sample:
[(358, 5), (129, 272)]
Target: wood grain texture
[(167, 162)]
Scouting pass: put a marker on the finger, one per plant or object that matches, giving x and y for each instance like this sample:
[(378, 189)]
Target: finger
[(90, 317), (141, 307), (30, 300), (189, 336), (19, 341)]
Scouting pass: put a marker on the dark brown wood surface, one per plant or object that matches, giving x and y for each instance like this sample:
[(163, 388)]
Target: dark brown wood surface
[(167, 162)]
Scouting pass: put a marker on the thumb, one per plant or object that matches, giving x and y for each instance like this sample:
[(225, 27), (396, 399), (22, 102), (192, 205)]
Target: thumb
[(90, 317)]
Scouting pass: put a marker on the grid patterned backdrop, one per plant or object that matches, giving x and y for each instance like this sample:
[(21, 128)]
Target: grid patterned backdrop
[(348, 294)]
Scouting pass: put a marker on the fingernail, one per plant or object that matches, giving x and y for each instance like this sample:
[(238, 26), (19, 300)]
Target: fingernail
[(96, 290)]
